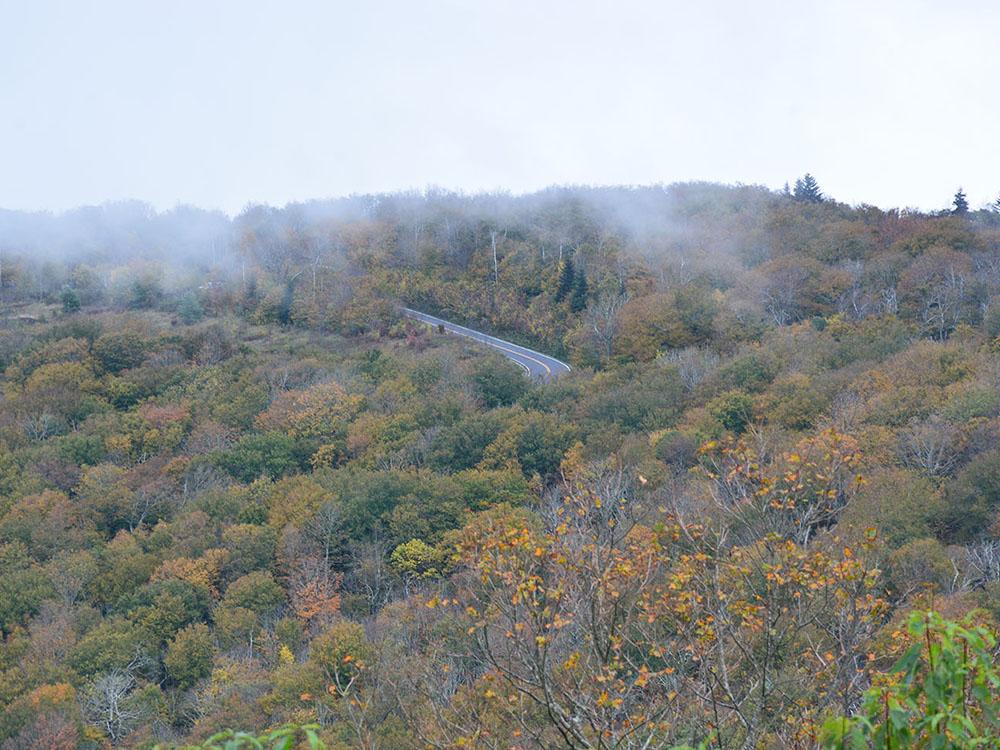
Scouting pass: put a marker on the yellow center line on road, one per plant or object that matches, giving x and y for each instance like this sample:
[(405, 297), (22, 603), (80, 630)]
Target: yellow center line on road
[(522, 366), (494, 345), (548, 370)]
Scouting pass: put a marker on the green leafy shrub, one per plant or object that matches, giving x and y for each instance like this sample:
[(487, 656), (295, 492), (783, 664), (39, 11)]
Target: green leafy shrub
[(283, 738), (943, 693), (733, 409)]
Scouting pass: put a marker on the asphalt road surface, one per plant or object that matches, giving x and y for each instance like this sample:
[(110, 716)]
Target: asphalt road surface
[(536, 364)]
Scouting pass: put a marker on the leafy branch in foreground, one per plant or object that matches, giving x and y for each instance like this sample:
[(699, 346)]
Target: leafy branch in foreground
[(283, 738), (286, 738), (943, 693)]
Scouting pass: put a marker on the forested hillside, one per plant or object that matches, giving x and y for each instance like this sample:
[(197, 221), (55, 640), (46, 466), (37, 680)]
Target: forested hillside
[(238, 489)]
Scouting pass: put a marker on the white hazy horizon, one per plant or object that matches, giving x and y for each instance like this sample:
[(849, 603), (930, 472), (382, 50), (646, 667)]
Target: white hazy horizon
[(223, 103)]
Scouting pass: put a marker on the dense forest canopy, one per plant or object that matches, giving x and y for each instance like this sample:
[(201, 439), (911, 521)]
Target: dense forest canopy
[(238, 489)]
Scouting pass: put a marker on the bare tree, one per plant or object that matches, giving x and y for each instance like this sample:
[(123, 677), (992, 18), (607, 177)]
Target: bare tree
[(855, 301), (942, 305), (603, 320), (370, 575), (888, 300), (693, 364), (496, 262), (937, 288), (847, 411), (108, 703), (39, 425), (983, 562), (933, 446), (783, 290), (147, 501), (326, 530)]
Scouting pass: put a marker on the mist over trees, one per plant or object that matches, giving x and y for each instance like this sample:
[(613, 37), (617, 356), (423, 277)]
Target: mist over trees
[(117, 232), (307, 259)]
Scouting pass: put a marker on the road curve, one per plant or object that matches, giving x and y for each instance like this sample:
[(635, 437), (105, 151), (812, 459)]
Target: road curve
[(536, 364)]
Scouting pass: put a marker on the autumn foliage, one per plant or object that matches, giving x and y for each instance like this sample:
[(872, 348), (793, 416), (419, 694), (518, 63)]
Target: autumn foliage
[(245, 502)]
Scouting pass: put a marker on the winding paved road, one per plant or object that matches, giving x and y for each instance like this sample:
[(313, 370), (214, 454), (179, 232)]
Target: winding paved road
[(536, 364)]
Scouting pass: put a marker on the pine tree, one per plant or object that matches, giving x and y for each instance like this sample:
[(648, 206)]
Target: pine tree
[(566, 278), (960, 203), (807, 189), (250, 294), (70, 300), (189, 309), (578, 302), (995, 206)]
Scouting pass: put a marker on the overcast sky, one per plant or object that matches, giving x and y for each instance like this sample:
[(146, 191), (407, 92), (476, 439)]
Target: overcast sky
[(220, 103)]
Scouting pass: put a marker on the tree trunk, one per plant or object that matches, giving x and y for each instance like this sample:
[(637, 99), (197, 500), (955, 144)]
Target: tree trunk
[(496, 265)]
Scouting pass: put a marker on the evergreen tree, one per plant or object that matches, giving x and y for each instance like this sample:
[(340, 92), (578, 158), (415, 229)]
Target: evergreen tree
[(287, 300), (145, 294), (566, 278), (190, 310), (960, 203), (807, 189), (70, 300), (251, 294), (995, 206), (578, 301)]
